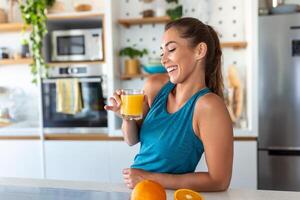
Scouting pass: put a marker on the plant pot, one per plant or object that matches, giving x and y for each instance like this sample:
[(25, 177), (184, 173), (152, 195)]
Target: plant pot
[(25, 53), (132, 67)]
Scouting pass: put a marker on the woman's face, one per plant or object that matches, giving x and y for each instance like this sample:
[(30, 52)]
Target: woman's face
[(177, 56)]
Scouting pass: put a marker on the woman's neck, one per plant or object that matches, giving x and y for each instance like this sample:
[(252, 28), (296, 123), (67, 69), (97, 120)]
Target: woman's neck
[(185, 90)]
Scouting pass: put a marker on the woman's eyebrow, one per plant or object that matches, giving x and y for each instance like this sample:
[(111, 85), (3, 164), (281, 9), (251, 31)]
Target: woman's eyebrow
[(167, 44)]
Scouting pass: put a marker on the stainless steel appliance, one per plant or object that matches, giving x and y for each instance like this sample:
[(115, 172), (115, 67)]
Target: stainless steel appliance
[(279, 103), (77, 45), (93, 85)]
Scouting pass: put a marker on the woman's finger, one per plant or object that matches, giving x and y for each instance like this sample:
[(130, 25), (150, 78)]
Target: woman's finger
[(107, 107), (117, 98), (126, 176), (125, 171)]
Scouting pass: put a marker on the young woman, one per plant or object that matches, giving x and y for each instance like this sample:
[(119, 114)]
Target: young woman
[(184, 114)]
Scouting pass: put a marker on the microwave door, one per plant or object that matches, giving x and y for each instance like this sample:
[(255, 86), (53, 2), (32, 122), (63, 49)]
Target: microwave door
[(71, 47)]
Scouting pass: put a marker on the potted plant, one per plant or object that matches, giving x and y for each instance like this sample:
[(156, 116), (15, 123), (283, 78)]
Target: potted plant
[(34, 15), (176, 12), (132, 65)]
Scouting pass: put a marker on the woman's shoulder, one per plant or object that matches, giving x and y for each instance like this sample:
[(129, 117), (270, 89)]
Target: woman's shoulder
[(210, 103), (153, 85), (209, 111)]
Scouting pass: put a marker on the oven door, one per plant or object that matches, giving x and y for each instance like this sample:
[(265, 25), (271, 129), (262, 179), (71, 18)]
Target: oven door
[(91, 117)]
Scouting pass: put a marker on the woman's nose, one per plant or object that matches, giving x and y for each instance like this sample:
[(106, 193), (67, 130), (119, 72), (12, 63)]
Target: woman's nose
[(164, 59)]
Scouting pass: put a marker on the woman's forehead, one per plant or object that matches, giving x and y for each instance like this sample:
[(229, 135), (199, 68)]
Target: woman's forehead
[(172, 36)]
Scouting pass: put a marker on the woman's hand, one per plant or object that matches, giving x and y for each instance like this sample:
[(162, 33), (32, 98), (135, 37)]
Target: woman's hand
[(115, 101), (134, 176)]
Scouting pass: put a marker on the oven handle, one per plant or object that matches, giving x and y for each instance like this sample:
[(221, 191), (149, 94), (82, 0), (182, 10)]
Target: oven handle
[(81, 80)]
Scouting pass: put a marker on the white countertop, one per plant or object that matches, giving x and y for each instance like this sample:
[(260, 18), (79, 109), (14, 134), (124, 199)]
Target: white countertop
[(231, 194)]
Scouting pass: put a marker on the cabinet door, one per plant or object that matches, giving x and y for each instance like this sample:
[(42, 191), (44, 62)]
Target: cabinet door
[(244, 165), (20, 158), (121, 156), (77, 160), (244, 174)]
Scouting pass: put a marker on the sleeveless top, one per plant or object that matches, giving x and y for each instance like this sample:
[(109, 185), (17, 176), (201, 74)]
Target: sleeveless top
[(168, 142)]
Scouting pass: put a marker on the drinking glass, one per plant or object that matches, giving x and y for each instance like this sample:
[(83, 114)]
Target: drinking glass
[(132, 104)]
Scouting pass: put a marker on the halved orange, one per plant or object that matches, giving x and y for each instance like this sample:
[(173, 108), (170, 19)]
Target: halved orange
[(186, 194)]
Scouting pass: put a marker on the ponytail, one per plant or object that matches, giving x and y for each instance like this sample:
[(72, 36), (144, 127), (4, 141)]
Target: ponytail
[(213, 68)]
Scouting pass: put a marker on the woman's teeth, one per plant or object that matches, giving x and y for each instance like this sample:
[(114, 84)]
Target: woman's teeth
[(170, 69)]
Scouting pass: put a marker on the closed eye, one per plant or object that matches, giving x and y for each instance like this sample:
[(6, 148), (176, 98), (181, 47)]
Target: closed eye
[(170, 50)]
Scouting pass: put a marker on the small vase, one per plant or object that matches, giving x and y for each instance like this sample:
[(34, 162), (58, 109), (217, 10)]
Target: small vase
[(132, 67), (25, 53)]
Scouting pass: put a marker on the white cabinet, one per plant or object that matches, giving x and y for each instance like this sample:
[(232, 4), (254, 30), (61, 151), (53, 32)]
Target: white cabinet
[(104, 161), (244, 174), (101, 161), (244, 165), (120, 156), (77, 160), (20, 158)]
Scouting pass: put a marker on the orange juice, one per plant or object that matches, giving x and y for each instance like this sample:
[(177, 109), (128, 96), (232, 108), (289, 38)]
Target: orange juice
[(132, 104)]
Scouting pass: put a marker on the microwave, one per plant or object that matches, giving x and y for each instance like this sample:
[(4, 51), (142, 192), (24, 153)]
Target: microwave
[(77, 45)]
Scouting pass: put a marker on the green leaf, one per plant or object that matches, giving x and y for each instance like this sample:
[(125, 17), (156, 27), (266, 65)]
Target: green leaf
[(132, 52), (170, 1), (33, 14), (175, 13)]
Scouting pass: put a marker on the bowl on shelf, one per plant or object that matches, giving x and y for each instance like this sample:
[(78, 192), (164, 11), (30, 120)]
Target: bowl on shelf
[(285, 8), (153, 69)]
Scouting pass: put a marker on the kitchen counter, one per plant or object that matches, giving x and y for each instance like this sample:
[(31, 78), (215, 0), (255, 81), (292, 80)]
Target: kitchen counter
[(86, 137), (231, 194)]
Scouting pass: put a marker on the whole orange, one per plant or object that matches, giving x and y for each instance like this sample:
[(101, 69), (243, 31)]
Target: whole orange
[(148, 190)]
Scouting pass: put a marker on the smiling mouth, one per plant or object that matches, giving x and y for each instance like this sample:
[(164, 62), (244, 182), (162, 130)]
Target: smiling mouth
[(171, 68)]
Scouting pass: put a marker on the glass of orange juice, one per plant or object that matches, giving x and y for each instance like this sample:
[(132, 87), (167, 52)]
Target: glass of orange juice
[(132, 104)]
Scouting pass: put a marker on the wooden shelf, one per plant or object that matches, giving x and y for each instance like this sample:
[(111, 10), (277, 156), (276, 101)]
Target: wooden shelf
[(127, 77), (53, 64), (74, 15), (148, 20), (11, 27), (19, 137), (234, 45), (21, 61)]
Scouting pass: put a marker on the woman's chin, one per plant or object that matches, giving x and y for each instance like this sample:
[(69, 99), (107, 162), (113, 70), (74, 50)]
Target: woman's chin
[(173, 80)]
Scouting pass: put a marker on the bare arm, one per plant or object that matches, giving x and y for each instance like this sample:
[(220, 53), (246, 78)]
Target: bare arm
[(130, 128), (215, 128)]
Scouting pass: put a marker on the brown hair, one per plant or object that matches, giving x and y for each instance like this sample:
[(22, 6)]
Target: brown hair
[(196, 31)]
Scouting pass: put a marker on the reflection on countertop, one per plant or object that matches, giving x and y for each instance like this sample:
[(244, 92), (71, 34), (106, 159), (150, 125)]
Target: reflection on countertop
[(20, 128)]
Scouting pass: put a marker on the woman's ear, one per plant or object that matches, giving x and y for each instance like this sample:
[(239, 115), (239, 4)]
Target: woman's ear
[(200, 51)]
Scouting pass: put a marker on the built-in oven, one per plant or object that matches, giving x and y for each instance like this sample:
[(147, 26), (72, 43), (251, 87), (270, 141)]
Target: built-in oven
[(91, 92)]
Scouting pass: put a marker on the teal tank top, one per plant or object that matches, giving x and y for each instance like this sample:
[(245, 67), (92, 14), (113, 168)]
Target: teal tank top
[(168, 143)]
